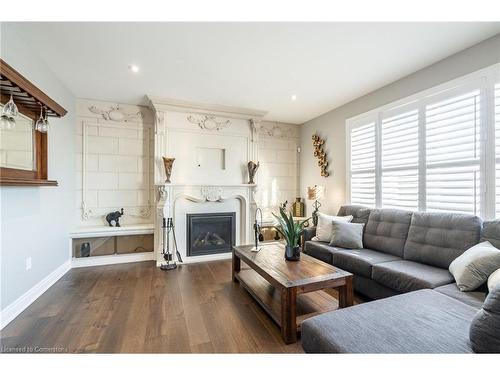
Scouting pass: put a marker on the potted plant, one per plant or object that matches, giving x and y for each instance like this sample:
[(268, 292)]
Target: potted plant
[(291, 231)]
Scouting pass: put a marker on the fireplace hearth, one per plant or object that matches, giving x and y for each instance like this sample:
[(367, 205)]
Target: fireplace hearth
[(210, 233)]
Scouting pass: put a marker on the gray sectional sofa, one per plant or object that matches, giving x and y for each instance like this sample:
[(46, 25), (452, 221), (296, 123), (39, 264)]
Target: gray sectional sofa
[(406, 256)]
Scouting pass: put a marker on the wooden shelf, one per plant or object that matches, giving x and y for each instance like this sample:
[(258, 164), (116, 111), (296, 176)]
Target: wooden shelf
[(29, 100), (105, 231), (26, 94), (269, 298), (5, 181)]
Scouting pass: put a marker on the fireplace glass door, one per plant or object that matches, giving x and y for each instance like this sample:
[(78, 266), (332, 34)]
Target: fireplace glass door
[(209, 233)]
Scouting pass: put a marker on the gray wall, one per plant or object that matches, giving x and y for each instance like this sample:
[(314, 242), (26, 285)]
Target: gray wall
[(35, 221), (331, 125)]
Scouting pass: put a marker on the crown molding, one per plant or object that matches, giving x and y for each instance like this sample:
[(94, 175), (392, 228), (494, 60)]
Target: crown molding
[(167, 104)]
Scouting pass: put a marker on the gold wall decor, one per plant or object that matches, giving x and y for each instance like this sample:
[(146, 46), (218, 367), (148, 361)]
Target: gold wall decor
[(320, 154)]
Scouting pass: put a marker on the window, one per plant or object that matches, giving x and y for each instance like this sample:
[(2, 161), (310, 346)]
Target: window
[(399, 137), (452, 154), (431, 152), (363, 165)]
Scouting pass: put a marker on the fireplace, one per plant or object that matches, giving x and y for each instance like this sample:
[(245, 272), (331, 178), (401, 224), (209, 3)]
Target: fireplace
[(210, 233)]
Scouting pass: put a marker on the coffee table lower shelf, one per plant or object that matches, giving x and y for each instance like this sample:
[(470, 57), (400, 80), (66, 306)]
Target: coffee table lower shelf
[(269, 298)]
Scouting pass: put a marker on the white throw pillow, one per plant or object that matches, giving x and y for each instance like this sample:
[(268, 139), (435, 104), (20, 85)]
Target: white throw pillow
[(324, 227), (494, 280), (472, 268)]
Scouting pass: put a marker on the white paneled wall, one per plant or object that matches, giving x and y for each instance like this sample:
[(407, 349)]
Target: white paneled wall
[(114, 162), (278, 172)]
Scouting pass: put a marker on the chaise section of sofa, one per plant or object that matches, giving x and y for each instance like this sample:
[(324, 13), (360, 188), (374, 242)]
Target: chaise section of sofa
[(423, 321)]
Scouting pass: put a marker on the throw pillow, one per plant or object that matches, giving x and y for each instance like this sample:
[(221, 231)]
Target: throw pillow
[(324, 227), (347, 235), (473, 267), (494, 280), (484, 331)]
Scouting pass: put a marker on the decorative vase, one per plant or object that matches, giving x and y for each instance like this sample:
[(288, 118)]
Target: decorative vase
[(168, 163), (298, 208), (252, 170), (292, 253)]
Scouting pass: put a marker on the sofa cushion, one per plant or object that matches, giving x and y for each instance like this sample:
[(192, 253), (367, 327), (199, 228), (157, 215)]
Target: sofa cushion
[(419, 322), (494, 280), (475, 265), (485, 326), (491, 232), (474, 299), (347, 235), (359, 213), (371, 289), (324, 226), (360, 262), (320, 250), (438, 238), (406, 276), (386, 231)]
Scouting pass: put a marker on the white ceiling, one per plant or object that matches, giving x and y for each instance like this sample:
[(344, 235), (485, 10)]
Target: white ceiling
[(253, 65)]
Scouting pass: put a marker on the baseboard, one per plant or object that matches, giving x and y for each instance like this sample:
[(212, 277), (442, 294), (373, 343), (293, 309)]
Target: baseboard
[(201, 258), (19, 305), (104, 260)]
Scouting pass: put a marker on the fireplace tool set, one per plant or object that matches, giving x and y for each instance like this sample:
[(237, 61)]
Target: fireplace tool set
[(168, 254)]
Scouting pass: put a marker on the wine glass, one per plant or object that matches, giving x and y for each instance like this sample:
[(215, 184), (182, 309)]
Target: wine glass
[(9, 114), (45, 126), (41, 125)]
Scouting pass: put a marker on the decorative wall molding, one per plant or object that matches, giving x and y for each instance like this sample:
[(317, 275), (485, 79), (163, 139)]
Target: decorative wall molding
[(209, 122), (162, 192), (87, 212), (115, 113), (212, 193), (175, 105), (273, 130), (143, 213)]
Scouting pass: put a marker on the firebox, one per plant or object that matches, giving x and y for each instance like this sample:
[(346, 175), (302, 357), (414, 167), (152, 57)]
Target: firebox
[(210, 233)]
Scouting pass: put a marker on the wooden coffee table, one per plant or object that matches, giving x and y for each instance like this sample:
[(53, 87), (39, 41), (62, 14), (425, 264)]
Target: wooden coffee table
[(290, 291)]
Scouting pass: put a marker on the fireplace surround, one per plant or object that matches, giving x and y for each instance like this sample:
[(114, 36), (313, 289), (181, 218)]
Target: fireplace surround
[(212, 145), (210, 233)]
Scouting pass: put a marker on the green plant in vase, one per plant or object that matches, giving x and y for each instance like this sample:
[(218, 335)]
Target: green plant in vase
[(291, 231)]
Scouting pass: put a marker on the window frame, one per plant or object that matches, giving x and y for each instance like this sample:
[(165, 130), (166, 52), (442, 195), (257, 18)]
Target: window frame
[(483, 80)]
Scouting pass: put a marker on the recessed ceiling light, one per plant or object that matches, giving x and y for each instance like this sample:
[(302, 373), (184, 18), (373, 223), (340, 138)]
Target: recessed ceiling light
[(133, 68), (294, 97)]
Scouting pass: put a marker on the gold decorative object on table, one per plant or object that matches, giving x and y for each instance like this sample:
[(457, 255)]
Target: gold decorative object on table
[(320, 154), (298, 208), (168, 163)]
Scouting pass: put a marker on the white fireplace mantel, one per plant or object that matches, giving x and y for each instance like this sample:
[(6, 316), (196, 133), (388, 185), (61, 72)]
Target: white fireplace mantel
[(177, 200), (212, 145)]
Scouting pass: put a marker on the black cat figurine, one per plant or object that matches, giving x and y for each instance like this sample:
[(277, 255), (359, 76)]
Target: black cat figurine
[(114, 216)]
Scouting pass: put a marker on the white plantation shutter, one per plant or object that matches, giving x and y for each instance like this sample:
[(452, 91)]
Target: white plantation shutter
[(497, 148), (452, 142), (399, 138), (438, 150), (362, 158)]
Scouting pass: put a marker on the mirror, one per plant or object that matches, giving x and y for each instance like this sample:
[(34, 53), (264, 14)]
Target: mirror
[(17, 145)]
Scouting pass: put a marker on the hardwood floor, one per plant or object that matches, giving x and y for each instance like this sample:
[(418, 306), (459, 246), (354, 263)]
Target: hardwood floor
[(137, 308)]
